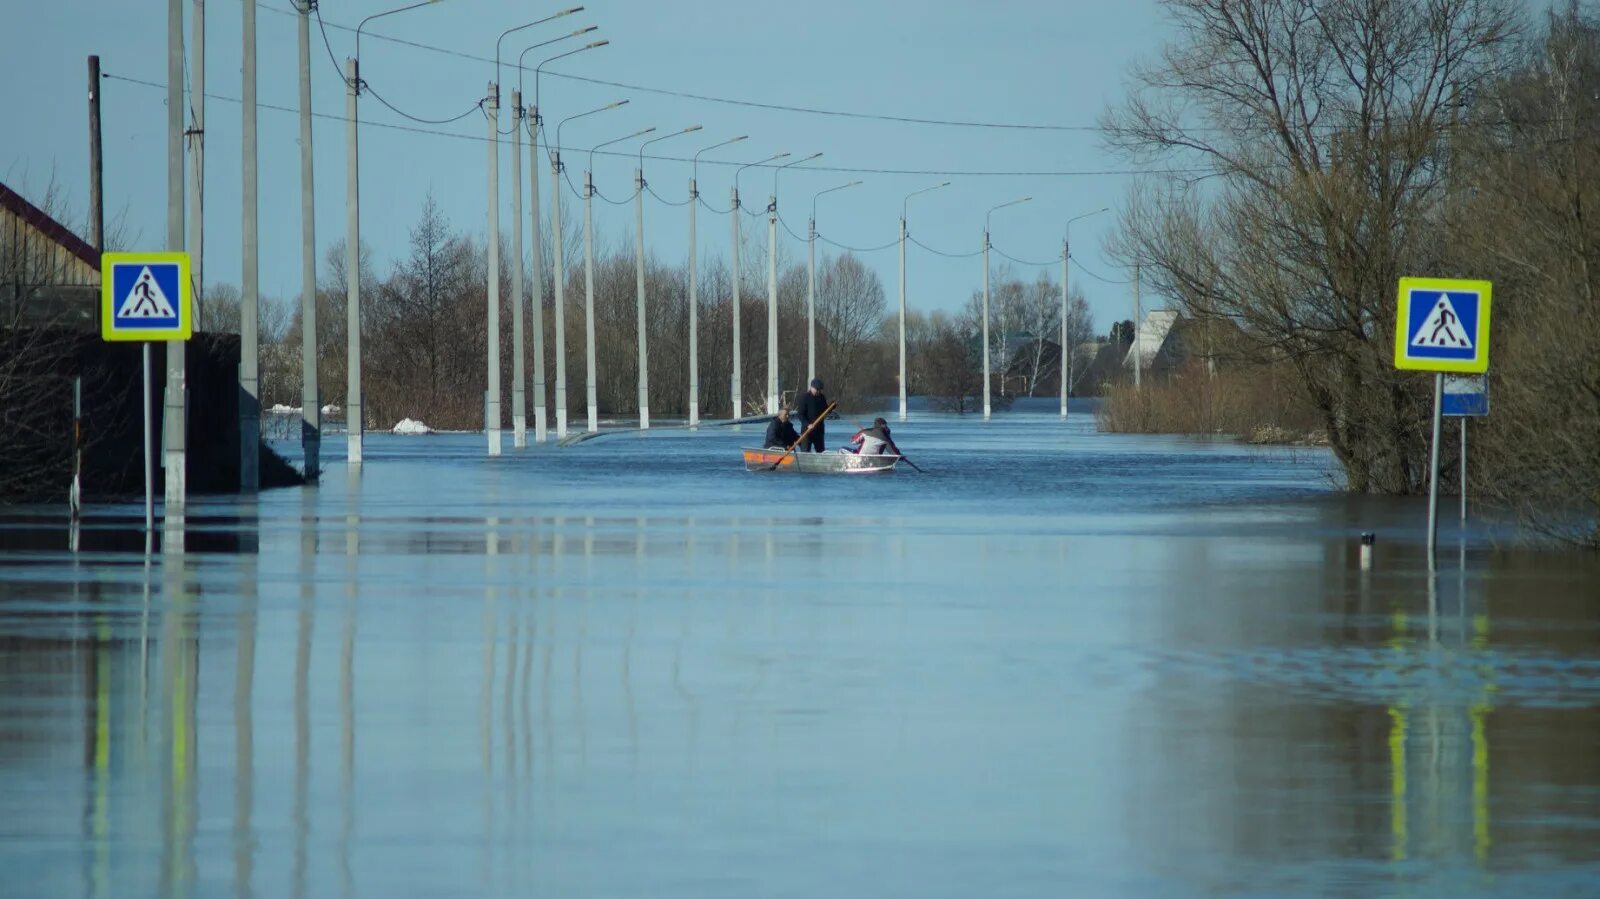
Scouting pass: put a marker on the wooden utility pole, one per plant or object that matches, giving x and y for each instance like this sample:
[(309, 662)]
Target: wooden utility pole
[(97, 215)]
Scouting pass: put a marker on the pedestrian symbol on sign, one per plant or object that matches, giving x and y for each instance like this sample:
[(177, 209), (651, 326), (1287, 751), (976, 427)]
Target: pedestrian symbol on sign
[(144, 296), (1442, 324), (1442, 327), (146, 299)]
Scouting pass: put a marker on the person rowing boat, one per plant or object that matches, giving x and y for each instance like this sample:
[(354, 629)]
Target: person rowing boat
[(874, 441)]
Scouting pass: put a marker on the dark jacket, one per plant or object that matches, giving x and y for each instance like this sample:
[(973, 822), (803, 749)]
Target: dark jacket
[(781, 433), (811, 407)]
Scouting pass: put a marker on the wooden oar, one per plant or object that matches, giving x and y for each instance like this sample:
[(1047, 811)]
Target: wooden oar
[(814, 422)]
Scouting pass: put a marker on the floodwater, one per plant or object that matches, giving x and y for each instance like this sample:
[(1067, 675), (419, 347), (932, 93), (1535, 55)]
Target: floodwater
[(1057, 663)]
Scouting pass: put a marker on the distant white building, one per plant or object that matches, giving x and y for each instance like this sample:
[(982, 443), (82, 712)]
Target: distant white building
[(1158, 345)]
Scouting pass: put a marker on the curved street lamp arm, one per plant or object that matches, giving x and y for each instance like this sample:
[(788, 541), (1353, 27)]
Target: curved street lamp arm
[(904, 203), (522, 69)]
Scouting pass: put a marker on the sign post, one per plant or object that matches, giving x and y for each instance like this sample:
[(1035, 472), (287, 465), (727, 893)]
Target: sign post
[(1442, 325), (144, 297), (1465, 396)]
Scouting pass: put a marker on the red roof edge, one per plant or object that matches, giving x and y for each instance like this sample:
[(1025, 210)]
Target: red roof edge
[(61, 234)]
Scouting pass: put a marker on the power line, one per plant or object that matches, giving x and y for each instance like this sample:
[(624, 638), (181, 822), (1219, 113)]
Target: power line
[(1092, 274), (943, 253), (361, 81), (413, 129), (663, 200), (419, 119), (1021, 261), (712, 209), (729, 101), (841, 246)]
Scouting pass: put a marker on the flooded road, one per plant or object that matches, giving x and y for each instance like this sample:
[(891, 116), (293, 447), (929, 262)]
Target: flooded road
[(1058, 663)]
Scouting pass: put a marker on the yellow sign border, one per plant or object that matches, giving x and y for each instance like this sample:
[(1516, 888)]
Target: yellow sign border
[(1402, 324), (185, 303)]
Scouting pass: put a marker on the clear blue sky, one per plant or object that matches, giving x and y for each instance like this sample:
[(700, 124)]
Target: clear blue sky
[(1036, 62)]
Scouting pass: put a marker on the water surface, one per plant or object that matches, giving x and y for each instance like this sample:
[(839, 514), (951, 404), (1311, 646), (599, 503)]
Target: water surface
[(1059, 662)]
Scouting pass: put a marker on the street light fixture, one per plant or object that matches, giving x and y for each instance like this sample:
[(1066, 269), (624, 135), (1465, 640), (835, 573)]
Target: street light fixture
[(811, 282), (354, 408), (638, 266), (903, 234), (694, 295), (738, 301), (779, 170), (986, 372), (1066, 347), (531, 116), (772, 286), (492, 417), (592, 385), (559, 257), (539, 69)]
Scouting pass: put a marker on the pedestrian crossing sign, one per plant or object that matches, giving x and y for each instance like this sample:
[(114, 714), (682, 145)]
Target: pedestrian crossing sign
[(1442, 324), (144, 296)]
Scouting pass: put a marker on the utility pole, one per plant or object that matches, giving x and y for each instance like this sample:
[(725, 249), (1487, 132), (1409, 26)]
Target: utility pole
[(97, 213), (173, 414), (197, 164), (694, 313), (772, 305), (354, 416), (638, 266), (694, 295), (560, 293), (588, 300), (519, 371), (902, 317), (811, 295), (310, 394), (986, 323), (1138, 354), (904, 233), (539, 426), (97, 233), (250, 300), (733, 215), (1066, 352), (491, 423)]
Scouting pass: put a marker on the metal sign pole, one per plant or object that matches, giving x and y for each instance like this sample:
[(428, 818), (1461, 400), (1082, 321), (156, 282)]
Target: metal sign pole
[(1463, 470), (1433, 467), (144, 407)]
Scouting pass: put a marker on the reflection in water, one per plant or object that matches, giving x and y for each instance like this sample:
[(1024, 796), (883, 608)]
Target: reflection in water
[(975, 684), (180, 652), (347, 706), (244, 731), (486, 709), (300, 823)]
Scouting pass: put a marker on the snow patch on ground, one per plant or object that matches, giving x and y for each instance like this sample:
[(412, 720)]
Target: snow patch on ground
[(412, 426), (281, 409)]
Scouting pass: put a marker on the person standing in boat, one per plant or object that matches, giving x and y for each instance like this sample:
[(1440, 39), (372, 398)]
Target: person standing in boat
[(874, 441), (811, 408), (780, 432)]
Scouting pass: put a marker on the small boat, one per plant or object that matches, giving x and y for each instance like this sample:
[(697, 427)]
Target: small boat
[(817, 463)]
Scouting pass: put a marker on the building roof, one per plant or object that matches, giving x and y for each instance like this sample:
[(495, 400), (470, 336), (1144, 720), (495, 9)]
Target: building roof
[(1152, 337), (60, 234)]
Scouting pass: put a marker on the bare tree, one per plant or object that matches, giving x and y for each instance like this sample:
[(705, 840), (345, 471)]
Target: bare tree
[(1320, 125)]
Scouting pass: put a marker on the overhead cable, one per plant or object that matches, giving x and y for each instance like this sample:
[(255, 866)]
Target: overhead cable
[(707, 98), (942, 252)]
